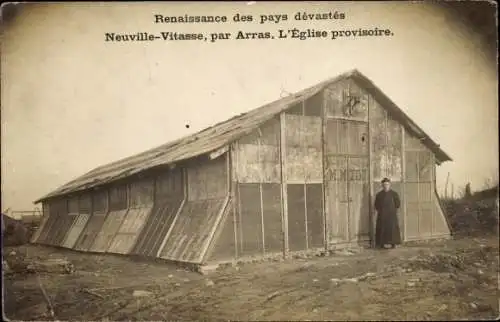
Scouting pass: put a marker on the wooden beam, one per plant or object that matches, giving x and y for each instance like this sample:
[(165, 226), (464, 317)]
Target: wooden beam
[(371, 212), (403, 180), (184, 184), (324, 166), (284, 191), (217, 153), (234, 183)]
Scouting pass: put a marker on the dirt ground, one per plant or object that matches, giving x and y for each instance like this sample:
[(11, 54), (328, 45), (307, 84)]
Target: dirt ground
[(440, 280)]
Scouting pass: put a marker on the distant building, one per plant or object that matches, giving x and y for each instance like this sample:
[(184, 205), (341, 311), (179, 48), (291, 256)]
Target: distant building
[(296, 174)]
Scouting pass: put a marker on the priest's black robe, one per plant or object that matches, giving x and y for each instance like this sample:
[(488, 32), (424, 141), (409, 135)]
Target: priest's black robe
[(387, 230)]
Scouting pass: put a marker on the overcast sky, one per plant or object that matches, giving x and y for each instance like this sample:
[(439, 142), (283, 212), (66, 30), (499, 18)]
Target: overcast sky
[(71, 101)]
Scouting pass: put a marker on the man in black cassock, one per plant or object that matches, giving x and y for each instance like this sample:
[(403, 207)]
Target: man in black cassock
[(387, 203)]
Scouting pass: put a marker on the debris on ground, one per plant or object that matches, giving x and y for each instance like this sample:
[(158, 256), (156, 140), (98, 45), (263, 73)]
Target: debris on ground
[(444, 280), (51, 265), (141, 293)]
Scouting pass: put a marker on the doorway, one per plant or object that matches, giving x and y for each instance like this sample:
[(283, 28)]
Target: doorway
[(347, 181)]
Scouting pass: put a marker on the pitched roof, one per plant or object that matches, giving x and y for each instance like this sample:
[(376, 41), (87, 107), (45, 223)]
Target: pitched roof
[(218, 136)]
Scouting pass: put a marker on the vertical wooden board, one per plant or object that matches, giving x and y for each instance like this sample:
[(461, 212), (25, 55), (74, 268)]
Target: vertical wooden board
[(45, 216), (248, 166), (425, 219), (425, 192), (311, 132), (412, 210), (270, 164), (337, 199), (295, 171), (412, 221), (296, 217), (411, 166), (41, 232), (425, 166), (314, 205), (65, 224), (168, 183), (207, 179), (191, 231), (87, 202), (270, 132), (273, 236), (58, 229), (296, 109), (337, 131), (313, 106), (378, 132), (76, 230), (141, 193), (109, 229), (250, 220), (98, 202), (312, 161), (357, 138), (73, 205), (359, 203), (334, 99), (90, 231), (413, 143), (293, 130), (118, 198), (157, 226), (394, 139), (129, 230), (224, 245), (439, 225)]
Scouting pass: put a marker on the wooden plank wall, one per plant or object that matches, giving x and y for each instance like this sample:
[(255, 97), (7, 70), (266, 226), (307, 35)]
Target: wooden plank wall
[(73, 212), (169, 194), (80, 221), (118, 207), (387, 155), (304, 174), (45, 217), (97, 205), (257, 208), (207, 190), (425, 219), (140, 206)]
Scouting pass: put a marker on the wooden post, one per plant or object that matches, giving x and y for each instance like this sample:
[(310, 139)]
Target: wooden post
[(234, 183), (370, 175), (284, 191), (324, 166), (261, 198), (403, 180)]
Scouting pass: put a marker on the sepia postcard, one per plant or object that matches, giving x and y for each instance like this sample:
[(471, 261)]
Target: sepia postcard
[(249, 161)]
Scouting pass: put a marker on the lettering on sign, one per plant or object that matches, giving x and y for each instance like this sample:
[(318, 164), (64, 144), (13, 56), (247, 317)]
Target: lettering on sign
[(346, 175)]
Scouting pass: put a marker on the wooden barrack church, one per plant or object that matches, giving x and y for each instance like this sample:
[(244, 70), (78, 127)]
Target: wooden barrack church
[(294, 175)]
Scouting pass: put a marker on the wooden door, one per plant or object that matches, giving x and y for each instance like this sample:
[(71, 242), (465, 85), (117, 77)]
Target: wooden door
[(346, 181)]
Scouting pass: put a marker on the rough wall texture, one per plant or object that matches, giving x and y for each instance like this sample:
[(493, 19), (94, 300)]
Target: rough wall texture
[(192, 231), (424, 216), (97, 206), (140, 206), (347, 163), (169, 194)]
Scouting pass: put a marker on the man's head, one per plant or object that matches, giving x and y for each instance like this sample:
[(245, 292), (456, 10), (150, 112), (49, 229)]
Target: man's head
[(386, 184)]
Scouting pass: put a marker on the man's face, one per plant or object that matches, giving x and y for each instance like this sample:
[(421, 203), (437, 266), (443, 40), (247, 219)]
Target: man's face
[(386, 185)]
